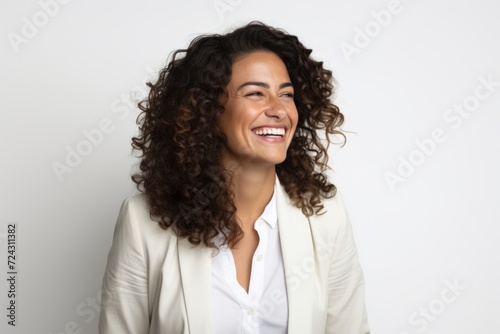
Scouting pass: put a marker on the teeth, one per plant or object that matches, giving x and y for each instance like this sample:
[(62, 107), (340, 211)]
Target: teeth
[(270, 132)]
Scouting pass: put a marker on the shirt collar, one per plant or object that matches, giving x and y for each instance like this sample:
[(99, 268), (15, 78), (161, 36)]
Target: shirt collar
[(270, 214)]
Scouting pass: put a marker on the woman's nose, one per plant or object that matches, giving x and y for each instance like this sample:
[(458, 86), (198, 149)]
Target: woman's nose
[(276, 108)]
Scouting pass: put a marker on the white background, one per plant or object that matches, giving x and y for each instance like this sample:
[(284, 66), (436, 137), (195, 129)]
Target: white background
[(87, 64)]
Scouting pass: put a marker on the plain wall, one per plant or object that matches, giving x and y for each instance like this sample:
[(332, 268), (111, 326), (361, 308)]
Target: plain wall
[(418, 83)]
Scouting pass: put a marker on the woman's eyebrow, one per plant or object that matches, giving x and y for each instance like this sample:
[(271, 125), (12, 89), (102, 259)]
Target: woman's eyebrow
[(263, 84)]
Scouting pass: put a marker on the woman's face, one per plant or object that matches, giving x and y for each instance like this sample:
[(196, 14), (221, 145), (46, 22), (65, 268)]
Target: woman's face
[(260, 115)]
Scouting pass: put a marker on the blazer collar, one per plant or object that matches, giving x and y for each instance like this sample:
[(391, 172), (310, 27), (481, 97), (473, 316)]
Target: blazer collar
[(298, 260), (196, 277)]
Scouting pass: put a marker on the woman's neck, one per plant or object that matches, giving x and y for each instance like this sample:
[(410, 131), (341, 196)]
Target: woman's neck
[(252, 189)]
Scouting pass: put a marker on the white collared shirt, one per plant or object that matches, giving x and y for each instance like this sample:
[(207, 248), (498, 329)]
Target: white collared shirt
[(264, 309)]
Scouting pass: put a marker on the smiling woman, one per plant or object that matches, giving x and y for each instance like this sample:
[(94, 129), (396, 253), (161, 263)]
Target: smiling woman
[(237, 229)]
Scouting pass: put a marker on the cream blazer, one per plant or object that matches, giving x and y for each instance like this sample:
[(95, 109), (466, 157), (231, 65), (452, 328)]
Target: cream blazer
[(157, 283)]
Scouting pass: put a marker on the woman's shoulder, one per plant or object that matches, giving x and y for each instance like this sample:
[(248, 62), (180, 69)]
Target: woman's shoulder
[(135, 219), (136, 202), (335, 204), (134, 210), (334, 214)]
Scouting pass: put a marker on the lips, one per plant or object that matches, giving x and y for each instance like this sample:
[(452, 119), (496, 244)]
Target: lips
[(272, 132)]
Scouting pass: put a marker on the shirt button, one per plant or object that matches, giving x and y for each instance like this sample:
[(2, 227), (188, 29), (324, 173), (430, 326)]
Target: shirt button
[(260, 257), (250, 311)]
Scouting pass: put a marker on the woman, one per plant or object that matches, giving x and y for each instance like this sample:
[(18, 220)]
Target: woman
[(237, 229)]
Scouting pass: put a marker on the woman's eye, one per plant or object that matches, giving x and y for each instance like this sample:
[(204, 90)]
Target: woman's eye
[(254, 94), (290, 95)]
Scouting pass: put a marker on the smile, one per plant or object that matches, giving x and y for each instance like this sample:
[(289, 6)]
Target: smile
[(270, 132)]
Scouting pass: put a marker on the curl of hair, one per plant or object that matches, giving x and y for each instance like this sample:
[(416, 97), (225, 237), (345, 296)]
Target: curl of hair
[(181, 143)]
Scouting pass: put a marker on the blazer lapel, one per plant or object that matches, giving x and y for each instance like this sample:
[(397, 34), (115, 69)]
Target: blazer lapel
[(196, 275), (298, 259)]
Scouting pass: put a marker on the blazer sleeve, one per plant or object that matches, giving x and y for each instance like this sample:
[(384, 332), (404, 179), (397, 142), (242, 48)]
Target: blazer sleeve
[(124, 301), (346, 306)]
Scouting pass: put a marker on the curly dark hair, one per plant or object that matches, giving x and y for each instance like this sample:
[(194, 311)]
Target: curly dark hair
[(181, 144)]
